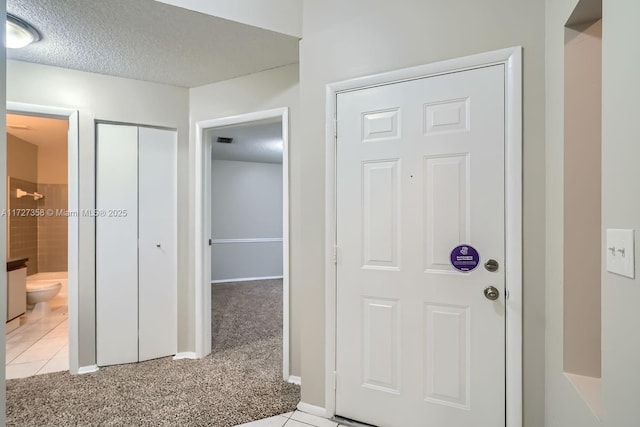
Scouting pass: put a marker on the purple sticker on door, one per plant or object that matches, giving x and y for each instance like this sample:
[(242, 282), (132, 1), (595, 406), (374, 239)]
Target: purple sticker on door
[(464, 258)]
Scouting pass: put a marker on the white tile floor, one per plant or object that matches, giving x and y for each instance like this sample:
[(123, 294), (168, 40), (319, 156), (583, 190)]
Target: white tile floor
[(39, 346), (293, 419)]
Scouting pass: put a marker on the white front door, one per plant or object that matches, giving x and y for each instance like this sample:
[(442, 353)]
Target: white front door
[(420, 171)]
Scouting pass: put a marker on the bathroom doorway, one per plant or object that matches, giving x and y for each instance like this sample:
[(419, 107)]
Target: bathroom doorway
[(37, 180)]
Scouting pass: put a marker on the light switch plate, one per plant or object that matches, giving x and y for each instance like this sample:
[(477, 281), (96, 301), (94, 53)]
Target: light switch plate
[(620, 252)]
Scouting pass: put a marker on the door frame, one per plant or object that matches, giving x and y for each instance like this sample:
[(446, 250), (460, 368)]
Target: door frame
[(73, 162), (512, 59), (203, 228)]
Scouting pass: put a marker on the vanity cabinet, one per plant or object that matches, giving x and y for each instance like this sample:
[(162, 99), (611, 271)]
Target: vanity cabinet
[(16, 288)]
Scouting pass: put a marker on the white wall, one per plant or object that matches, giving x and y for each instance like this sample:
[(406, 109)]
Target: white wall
[(263, 91), (246, 203), (620, 208), (283, 16), (345, 39), (99, 97)]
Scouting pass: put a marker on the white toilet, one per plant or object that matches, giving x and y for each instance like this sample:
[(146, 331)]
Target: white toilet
[(39, 293)]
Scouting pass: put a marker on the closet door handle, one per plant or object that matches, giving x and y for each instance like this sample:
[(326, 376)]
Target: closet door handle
[(158, 245)]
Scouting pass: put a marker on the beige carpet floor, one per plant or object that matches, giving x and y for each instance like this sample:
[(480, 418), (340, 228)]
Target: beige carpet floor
[(239, 382)]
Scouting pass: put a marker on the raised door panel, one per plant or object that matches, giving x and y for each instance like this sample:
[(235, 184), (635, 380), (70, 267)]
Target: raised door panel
[(420, 170), (158, 275), (381, 351), (116, 244), (381, 212), (446, 208), (446, 348)]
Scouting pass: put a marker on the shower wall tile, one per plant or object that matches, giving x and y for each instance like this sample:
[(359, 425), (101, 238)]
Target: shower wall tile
[(22, 224), (42, 239), (52, 229)]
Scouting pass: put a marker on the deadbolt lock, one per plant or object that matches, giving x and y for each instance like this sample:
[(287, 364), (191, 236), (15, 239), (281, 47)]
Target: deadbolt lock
[(491, 265)]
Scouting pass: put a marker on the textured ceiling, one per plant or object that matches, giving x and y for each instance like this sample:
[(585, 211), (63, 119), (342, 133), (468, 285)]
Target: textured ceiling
[(259, 142), (147, 40)]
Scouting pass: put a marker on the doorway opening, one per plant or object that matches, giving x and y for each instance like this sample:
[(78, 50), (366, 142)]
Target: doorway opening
[(244, 227), (246, 202), (42, 242)]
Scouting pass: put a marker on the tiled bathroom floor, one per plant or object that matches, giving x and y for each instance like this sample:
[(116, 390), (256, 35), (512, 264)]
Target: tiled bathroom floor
[(39, 346), (293, 419)]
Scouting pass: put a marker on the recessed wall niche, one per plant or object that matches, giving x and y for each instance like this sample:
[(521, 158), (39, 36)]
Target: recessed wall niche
[(582, 199)]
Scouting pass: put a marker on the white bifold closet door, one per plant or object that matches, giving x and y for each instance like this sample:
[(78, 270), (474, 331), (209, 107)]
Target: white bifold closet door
[(136, 252)]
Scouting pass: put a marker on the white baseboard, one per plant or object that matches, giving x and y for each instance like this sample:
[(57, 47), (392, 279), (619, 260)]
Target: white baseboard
[(87, 369), (245, 279), (293, 379), (312, 409), (185, 355)]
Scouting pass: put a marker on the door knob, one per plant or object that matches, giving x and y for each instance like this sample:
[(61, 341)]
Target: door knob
[(491, 293)]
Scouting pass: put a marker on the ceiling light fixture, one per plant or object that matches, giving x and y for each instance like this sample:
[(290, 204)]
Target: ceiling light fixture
[(19, 33)]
